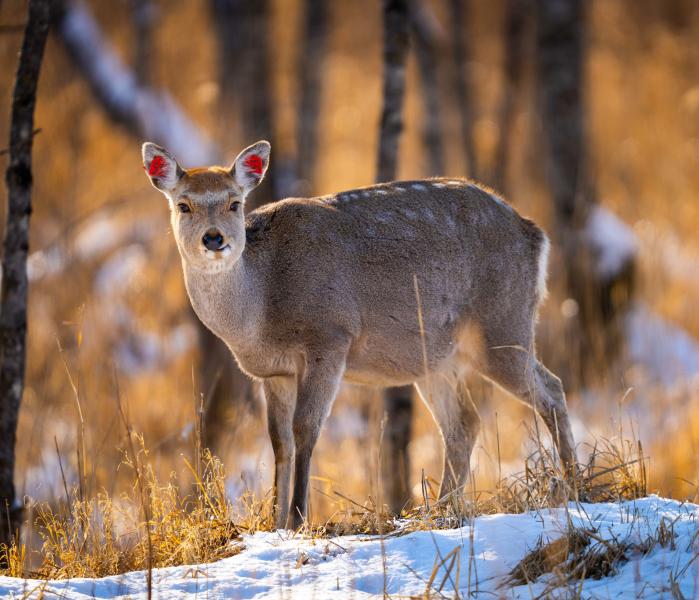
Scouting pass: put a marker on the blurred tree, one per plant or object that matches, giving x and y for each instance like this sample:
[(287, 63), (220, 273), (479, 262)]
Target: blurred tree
[(313, 42), (244, 76), (426, 35), (146, 112), (599, 266), (143, 13), (245, 83), (13, 295), (460, 70), (516, 18), (398, 402)]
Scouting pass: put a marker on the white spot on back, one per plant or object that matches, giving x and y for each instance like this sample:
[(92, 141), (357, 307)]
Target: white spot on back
[(382, 192), (438, 185), (398, 188), (419, 187), (542, 273), (365, 194)]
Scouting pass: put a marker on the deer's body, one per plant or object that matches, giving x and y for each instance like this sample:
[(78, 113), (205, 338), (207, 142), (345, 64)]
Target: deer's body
[(371, 243), (408, 282)]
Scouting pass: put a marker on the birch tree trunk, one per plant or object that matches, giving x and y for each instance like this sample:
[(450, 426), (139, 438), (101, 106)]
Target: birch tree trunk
[(13, 295), (398, 402)]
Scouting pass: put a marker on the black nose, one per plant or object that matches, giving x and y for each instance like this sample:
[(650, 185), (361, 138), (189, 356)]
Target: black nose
[(213, 240)]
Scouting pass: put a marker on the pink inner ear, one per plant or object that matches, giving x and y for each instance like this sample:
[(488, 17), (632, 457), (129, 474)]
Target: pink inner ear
[(157, 167), (254, 163)]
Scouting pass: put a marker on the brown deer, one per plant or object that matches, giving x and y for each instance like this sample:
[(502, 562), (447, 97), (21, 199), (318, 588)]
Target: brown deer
[(404, 282)]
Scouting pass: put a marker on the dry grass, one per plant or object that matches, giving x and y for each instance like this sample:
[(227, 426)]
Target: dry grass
[(583, 554), (103, 536), (166, 524)]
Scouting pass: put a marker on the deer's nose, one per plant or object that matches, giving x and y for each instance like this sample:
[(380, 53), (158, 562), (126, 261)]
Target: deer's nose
[(212, 240)]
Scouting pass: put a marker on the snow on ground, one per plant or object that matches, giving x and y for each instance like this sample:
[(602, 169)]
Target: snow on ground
[(278, 565)]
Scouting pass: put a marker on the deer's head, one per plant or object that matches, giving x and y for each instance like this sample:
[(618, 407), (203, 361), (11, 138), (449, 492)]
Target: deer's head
[(206, 204)]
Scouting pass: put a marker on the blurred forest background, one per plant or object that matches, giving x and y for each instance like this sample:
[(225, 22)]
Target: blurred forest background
[(108, 313)]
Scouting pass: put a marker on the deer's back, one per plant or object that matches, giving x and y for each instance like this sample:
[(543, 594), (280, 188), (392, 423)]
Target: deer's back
[(351, 263)]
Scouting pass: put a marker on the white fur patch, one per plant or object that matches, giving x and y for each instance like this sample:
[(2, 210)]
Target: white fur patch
[(439, 185), (218, 261), (397, 188), (419, 187), (543, 269), (382, 192)]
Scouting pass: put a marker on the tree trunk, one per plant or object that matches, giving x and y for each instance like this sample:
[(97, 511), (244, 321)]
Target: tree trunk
[(425, 36), (13, 295), (245, 81), (602, 294), (143, 13), (515, 38), (398, 402), (313, 42), (395, 50), (460, 84)]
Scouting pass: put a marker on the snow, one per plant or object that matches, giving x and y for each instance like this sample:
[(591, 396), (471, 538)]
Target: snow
[(615, 244), (281, 565), (668, 355)]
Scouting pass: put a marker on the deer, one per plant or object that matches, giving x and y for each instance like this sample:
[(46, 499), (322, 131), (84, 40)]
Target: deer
[(410, 282)]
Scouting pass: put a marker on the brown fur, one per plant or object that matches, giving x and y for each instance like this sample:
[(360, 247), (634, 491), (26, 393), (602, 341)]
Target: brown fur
[(316, 290)]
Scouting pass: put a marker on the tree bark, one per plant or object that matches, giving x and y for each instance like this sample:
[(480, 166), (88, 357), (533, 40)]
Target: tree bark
[(395, 50), (515, 38), (425, 37), (460, 84), (398, 402), (602, 294), (313, 42), (13, 294)]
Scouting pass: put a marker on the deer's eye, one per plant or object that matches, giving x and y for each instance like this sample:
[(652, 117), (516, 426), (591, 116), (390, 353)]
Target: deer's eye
[(234, 206), (184, 208)]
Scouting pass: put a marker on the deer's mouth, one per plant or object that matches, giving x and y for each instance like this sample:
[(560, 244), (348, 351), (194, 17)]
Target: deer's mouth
[(219, 253)]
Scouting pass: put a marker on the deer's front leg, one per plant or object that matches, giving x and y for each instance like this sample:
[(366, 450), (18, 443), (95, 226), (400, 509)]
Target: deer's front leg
[(280, 394), (316, 393)]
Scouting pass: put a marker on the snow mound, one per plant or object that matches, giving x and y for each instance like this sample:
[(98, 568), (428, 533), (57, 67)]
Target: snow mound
[(280, 565)]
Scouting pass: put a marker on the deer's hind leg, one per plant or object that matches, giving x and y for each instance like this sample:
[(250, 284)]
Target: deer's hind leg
[(459, 423), (519, 372)]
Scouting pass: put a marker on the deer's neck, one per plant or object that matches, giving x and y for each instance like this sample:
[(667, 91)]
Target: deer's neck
[(226, 301)]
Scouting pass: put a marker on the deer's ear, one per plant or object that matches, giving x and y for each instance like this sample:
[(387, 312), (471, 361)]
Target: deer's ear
[(161, 167), (250, 166)]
